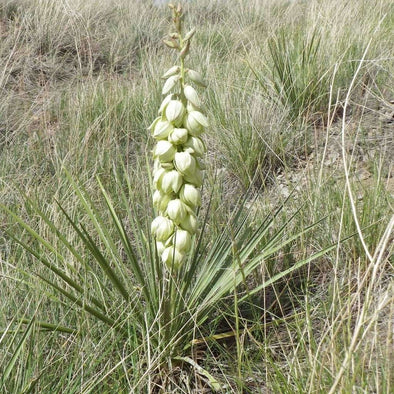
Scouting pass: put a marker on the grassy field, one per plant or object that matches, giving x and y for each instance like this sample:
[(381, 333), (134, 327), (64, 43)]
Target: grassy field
[(289, 288)]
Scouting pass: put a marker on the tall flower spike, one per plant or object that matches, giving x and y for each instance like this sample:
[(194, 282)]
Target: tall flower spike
[(177, 167)]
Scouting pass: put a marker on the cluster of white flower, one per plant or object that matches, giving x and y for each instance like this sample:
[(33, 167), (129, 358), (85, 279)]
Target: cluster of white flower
[(177, 156)]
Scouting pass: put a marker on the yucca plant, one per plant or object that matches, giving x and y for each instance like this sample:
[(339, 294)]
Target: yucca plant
[(160, 287)]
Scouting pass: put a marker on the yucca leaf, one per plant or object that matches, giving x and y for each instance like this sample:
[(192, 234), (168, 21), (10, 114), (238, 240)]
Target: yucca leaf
[(59, 235), (101, 260), (132, 258), (107, 320), (45, 327), (95, 217), (35, 235), (59, 273), (52, 327)]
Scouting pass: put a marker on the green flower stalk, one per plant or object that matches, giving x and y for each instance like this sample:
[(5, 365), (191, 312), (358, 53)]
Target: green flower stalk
[(177, 171)]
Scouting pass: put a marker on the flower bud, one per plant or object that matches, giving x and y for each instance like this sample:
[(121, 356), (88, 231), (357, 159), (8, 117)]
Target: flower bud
[(185, 162), (178, 136), (177, 210), (182, 241), (170, 72), (162, 129), (164, 151), (172, 258), (195, 146), (175, 111), (190, 195), (171, 182), (162, 228), (192, 96), (170, 83), (189, 223), (196, 78)]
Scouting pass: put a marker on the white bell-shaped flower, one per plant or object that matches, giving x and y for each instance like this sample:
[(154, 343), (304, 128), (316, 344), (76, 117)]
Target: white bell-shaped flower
[(170, 83), (162, 228), (189, 223), (153, 124), (164, 151), (182, 240), (177, 210), (190, 195), (171, 182), (172, 258), (175, 112), (195, 122), (192, 125), (194, 178), (194, 145), (178, 136), (185, 163), (162, 129)]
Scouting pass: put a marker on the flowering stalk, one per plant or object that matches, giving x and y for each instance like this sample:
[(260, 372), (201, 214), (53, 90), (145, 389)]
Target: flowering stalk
[(177, 172)]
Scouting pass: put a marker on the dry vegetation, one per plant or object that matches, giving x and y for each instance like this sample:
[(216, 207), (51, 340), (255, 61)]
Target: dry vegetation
[(300, 102)]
